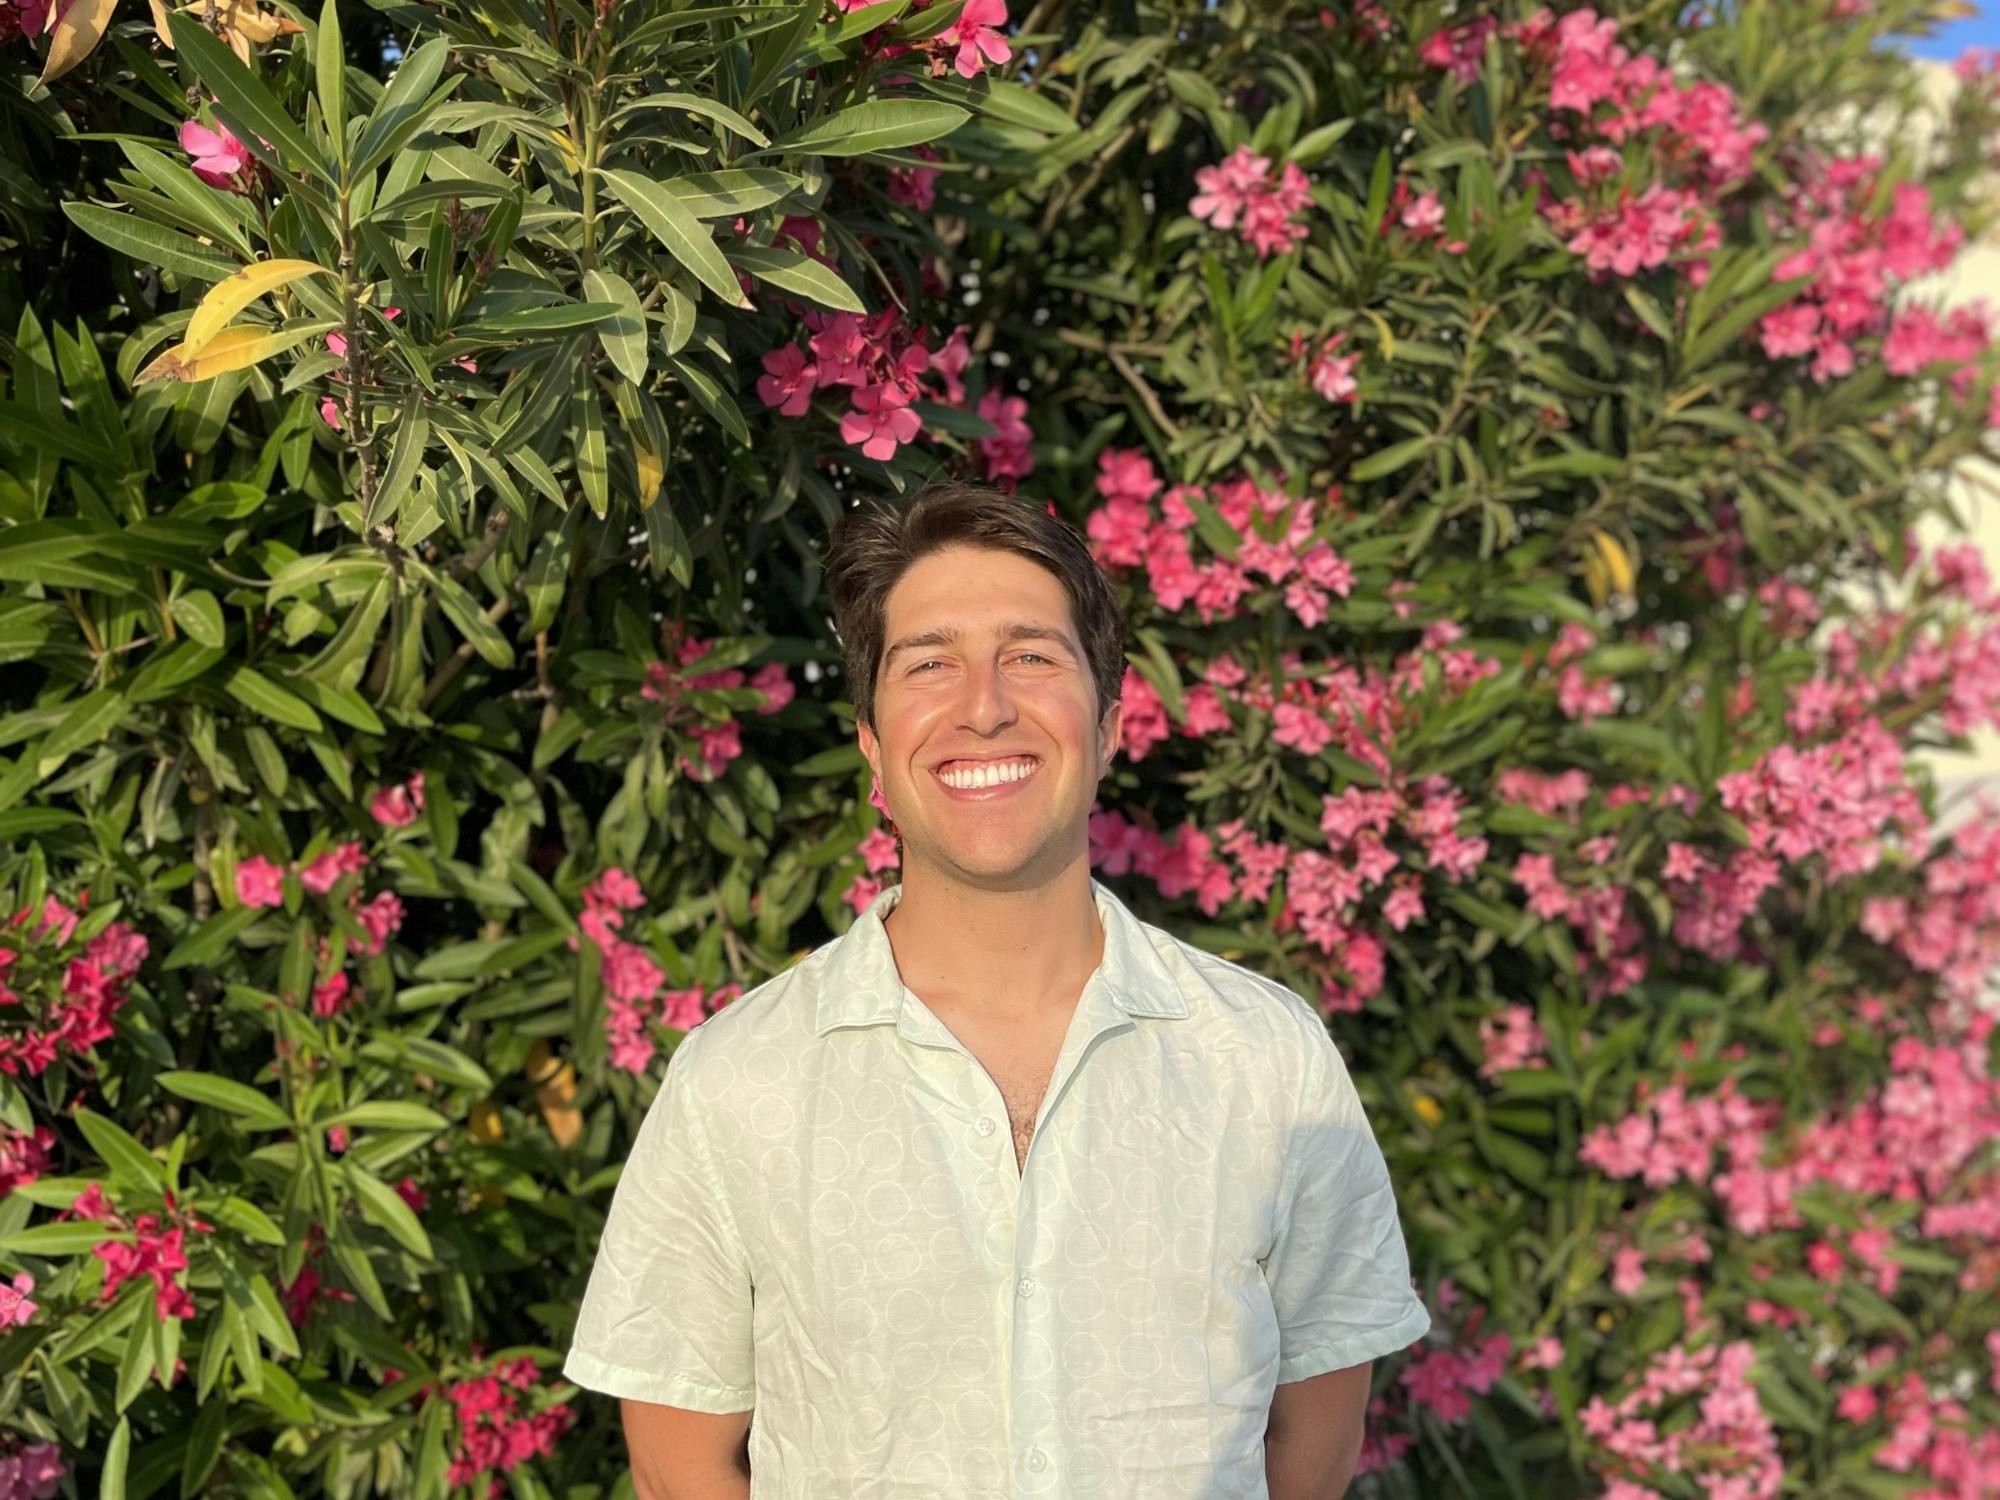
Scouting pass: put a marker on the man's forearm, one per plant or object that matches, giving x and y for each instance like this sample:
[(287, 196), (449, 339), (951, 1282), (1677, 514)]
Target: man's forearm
[(1311, 1468)]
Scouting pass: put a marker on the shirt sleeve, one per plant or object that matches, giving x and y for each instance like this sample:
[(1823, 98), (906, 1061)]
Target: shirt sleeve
[(1338, 1270), (666, 1315)]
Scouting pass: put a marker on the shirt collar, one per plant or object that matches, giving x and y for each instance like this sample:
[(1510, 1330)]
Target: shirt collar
[(860, 985)]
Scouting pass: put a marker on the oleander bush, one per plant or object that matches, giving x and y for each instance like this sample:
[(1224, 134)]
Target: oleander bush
[(1505, 428)]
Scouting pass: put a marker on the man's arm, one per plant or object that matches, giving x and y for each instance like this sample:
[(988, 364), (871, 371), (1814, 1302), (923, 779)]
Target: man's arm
[(688, 1455), (1312, 1439)]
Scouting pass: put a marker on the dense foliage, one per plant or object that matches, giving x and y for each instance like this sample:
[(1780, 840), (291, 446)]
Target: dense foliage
[(1505, 429)]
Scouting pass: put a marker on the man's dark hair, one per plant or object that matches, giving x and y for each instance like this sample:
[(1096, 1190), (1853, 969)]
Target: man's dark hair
[(876, 544)]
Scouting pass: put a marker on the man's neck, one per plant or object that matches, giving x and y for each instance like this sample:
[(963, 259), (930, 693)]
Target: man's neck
[(1001, 955)]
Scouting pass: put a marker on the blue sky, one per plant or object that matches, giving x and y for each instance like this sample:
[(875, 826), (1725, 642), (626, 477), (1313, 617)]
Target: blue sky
[(1982, 30)]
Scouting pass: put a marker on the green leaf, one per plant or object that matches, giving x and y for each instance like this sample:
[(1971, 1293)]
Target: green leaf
[(404, 102), (151, 244), (55, 1239), (683, 235), (879, 125), (259, 1111), (197, 613), (790, 271), (258, 693), (563, 317), (1396, 456), (387, 1114), (330, 71), (240, 93), (212, 937), (385, 1207), (121, 1152), (623, 335), (724, 195), (118, 1452)]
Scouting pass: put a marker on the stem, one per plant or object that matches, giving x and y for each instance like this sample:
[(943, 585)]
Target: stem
[(350, 295)]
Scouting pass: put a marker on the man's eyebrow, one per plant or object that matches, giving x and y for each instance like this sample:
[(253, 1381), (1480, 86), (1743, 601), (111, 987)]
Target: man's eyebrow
[(945, 635)]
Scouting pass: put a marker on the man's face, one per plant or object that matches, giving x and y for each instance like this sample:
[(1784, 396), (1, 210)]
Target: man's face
[(983, 672)]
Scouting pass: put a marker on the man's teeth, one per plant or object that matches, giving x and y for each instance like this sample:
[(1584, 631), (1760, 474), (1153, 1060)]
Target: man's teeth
[(988, 775)]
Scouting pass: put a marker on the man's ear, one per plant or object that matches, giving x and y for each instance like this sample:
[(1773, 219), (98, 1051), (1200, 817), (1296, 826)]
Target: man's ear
[(1111, 734), (871, 748)]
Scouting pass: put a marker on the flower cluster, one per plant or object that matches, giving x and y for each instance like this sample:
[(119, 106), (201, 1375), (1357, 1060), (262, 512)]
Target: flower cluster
[(635, 993), (493, 1435), (879, 852), (881, 359), (1239, 193), (54, 1001), (1277, 541), (24, 1155), (21, 18), (261, 883), (1332, 375), (966, 46), (1453, 1363), (1695, 140), (1729, 1447), (716, 743), (154, 1253), (1852, 259), (30, 1471)]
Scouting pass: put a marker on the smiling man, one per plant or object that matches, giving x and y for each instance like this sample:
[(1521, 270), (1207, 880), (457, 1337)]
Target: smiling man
[(1004, 1192)]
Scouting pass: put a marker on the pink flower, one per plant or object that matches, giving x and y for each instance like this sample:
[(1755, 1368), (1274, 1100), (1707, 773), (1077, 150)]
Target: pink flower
[(260, 883), (976, 37), (336, 343), (320, 876), (615, 888), (788, 381), (15, 1308), (220, 160), (381, 919), (330, 998), (398, 806), (775, 683), (878, 851), (33, 1472), (880, 419)]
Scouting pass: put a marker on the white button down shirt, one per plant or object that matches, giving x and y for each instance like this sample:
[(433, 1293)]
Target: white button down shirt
[(822, 1219)]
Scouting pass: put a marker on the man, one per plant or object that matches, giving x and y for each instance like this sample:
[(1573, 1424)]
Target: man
[(1003, 1193)]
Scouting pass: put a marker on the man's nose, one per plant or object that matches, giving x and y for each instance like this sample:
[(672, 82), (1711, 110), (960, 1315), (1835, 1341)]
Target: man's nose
[(987, 702)]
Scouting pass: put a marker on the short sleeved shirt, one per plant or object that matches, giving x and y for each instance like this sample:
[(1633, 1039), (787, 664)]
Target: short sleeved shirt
[(822, 1220)]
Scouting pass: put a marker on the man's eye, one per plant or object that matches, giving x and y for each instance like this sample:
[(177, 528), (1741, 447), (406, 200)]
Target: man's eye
[(1033, 656)]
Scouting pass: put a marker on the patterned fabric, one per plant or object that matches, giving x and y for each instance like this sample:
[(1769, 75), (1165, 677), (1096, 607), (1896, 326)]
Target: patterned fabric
[(822, 1219)]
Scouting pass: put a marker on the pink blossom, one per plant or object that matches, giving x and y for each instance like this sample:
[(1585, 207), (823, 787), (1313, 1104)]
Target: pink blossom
[(880, 420), (260, 883), (34, 1471), (15, 1308), (398, 806), (1005, 455), (879, 850), (788, 381), (320, 876), (976, 37), (380, 919), (330, 997), (775, 683), (220, 159)]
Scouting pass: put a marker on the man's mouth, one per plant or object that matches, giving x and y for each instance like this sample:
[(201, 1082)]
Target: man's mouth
[(971, 775)]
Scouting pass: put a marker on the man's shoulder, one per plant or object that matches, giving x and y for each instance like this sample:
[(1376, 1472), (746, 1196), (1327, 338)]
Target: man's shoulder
[(1222, 992), (762, 1025)]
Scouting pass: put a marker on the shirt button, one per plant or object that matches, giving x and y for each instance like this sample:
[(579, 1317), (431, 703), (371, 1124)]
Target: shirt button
[(985, 1125), (1026, 1286), (1037, 1460)]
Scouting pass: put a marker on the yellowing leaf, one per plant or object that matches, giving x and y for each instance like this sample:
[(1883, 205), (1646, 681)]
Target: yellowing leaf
[(232, 294), (555, 1091), (235, 348), (485, 1123), (77, 33), (238, 23), (1617, 562)]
